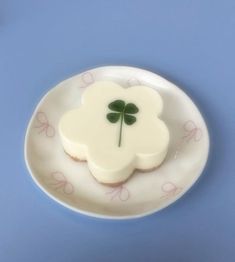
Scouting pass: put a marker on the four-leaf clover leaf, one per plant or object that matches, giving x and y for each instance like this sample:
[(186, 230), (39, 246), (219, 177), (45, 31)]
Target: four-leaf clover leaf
[(123, 112)]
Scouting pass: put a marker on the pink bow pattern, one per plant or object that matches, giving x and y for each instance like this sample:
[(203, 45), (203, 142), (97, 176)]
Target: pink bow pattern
[(133, 82), (192, 132), (87, 79), (60, 182), (169, 189), (120, 192), (43, 125)]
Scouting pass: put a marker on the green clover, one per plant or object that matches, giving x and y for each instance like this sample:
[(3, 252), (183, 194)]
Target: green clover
[(124, 112)]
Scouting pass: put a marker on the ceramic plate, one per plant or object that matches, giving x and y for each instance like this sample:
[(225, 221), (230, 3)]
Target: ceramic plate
[(70, 183)]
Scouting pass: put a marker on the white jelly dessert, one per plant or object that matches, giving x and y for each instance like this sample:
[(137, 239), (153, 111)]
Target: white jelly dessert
[(116, 130)]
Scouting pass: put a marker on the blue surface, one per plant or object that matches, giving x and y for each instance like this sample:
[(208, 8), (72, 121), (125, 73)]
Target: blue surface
[(189, 42)]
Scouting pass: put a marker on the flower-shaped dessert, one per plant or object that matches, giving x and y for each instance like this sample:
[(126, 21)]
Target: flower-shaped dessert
[(116, 130)]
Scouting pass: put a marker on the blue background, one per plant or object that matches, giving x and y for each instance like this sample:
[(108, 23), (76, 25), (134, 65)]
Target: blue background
[(189, 42)]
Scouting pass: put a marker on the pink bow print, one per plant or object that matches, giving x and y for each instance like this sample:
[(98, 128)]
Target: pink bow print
[(121, 192), (87, 79), (169, 189), (133, 82), (192, 131), (43, 125), (60, 182)]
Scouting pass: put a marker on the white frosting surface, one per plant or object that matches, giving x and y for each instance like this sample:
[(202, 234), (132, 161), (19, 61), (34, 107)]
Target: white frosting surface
[(116, 130)]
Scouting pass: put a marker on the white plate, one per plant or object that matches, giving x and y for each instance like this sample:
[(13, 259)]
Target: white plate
[(70, 183)]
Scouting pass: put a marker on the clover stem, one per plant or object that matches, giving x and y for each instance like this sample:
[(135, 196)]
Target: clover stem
[(120, 130)]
